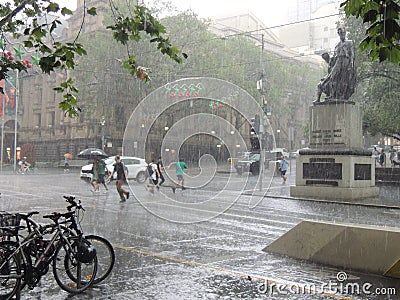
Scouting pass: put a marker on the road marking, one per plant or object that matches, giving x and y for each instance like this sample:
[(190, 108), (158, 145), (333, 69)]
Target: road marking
[(226, 271)]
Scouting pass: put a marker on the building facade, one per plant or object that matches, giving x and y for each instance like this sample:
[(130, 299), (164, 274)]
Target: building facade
[(312, 26), (46, 134)]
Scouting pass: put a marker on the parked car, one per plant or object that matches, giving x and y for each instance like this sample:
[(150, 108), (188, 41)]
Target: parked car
[(283, 151), (249, 163), (252, 162), (136, 168)]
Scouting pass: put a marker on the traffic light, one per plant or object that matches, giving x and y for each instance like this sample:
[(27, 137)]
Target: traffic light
[(254, 131)]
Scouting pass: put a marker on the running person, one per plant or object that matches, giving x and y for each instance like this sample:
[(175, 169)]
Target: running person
[(180, 165), (283, 167), (160, 169), (101, 172), (95, 175), (153, 175), (121, 171)]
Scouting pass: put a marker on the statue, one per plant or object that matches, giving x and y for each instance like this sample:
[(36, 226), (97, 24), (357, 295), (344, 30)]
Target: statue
[(339, 83)]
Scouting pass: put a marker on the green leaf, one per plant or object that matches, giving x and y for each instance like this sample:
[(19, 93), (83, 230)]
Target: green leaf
[(66, 12), (92, 11), (394, 55), (53, 7)]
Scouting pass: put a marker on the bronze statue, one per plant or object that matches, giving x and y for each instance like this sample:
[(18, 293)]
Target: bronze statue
[(339, 83)]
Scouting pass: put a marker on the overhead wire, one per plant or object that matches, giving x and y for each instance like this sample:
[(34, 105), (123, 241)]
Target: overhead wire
[(150, 51)]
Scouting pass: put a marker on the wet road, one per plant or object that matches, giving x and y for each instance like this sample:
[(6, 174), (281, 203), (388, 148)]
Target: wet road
[(201, 243)]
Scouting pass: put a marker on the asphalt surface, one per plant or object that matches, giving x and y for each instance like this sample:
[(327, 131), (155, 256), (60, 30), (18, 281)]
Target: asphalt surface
[(204, 242)]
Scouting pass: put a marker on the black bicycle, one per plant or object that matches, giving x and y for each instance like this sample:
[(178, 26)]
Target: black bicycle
[(73, 258), (71, 226), (104, 249)]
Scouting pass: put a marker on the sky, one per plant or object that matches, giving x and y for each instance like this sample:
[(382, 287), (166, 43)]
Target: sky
[(270, 12)]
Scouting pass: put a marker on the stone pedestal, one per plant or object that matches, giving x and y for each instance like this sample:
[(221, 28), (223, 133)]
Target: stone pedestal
[(336, 166)]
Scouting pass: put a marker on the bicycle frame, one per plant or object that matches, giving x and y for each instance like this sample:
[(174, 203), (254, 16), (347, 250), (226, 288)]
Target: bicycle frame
[(21, 250), (35, 253)]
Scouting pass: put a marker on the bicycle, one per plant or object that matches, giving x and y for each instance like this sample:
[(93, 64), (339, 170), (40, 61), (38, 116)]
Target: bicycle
[(27, 170), (72, 257), (104, 250)]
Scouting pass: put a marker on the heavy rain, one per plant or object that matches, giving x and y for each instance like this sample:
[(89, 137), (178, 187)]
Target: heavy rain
[(227, 154)]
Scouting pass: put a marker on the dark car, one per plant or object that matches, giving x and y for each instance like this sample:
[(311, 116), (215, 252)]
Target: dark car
[(252, 162), (249, 164)]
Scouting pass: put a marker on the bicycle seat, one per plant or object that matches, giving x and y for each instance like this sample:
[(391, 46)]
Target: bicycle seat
[(28, 215), (56, 216)]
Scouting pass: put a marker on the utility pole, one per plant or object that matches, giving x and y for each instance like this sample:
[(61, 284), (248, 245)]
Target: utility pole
[(102, 123), (263, 91), (16, 119), (3, 99)]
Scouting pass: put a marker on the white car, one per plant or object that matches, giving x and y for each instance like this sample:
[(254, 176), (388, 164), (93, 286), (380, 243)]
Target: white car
[(283, 152), (137, 168)]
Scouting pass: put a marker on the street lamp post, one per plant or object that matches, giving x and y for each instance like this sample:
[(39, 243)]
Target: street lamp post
[(102, 123), (16, 87), (219, 152), (262, 86), (16, 118), (2, 134), (278, 131)]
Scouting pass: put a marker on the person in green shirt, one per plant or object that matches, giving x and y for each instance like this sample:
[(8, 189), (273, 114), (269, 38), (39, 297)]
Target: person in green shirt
[(95, 173), (180, 165), (99, 168)]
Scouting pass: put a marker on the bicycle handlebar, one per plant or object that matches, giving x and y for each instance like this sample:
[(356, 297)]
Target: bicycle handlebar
[(56, 215), (71, 200)]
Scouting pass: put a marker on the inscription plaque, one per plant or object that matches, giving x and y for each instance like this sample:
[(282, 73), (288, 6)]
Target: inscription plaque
[(362, 172), (322, 171)]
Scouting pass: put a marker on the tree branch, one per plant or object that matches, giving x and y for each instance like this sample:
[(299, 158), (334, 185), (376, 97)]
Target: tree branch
[(9, 17)]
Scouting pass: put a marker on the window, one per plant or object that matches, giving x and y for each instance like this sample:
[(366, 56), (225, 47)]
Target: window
[(52, 118), (120, 117), (38, 120), (39, 92), (127, 161)]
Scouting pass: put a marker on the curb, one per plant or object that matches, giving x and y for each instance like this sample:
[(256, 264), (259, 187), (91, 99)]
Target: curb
[(373, 205)]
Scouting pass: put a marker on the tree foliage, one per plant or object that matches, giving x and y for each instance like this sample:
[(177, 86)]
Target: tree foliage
[(32, 25), (382, 35), (378, 87), (235, 58)]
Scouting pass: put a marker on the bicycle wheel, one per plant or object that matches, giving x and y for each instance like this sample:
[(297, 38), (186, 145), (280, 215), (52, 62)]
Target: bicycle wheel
[(12, 246), (71, 274), (10, 273), (105, 256)]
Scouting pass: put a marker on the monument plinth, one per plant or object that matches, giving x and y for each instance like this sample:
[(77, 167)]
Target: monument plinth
[(336, 125), (336, 166)]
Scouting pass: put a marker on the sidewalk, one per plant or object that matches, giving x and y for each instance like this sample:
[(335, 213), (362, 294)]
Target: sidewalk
[(9, 170), (389, 196)]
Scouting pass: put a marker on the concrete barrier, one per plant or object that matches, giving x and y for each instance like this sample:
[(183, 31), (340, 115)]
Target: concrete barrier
[(359, 247)]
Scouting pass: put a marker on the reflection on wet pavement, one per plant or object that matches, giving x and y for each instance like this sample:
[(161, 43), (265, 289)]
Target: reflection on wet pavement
[(216, 256)]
